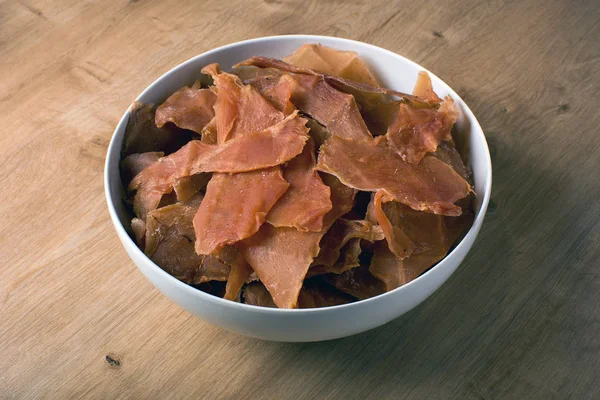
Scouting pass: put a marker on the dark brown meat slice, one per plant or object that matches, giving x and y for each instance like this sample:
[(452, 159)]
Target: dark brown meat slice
[(133, 164), (304, 205), (398, 242), (372, 166), (170, 240), (357, 282), (212, 269), (429, 234), (317, 132), (235, 206), (326, 60), (349, 258), (188, 108), (446, 152), (316, 293), (239, 109), (240, 272), (342, 199), (281, 257), (257, 294), (418, 131), (143, 136), (340, 233)]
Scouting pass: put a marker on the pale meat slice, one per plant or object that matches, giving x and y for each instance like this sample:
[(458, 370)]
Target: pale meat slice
[(370, 165), (424, 89), (235, 206), (138, 227), (281, 257), (256, 150), (304, 205), (239, 109), (209, 132), (142, 135), (418, 131), (188, 108), (340, 233), (169, 239), (133, 164), (345, 64)]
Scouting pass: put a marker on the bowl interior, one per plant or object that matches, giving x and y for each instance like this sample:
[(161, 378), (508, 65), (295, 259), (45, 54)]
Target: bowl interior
[(392, 70)]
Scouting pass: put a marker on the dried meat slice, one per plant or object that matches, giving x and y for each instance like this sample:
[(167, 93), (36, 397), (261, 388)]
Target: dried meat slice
[(169, 239), (281, 257), (142, 135), (342, 231), (256, 294), (186, 187), (239, 108), (235, 206), (304, 205), (133, 164), (357, 282), (418, 131), (212, 269), (349, 258), (446, 152), (240, 272), (424, 89), (188, 108), (256, 150), (398, 242), (371, 166), (326, 60), (316, 293)]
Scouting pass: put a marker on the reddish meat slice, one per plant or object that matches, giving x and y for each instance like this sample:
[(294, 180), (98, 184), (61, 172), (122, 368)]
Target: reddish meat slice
[(257, 294), (345, 85), (188, 108), (133, 164), (418, 131), (335, 110), (342, 231), (281, 257), (209, 133), (323, 59), (235, 206), (142, 135), (252, 151), (170, 239), (239, 109), (372, 166), (307, 200)]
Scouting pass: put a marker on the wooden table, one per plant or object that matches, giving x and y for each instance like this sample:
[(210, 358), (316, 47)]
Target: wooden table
[(520, 319)]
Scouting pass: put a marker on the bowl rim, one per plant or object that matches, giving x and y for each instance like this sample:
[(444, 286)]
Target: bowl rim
[(122, 233)]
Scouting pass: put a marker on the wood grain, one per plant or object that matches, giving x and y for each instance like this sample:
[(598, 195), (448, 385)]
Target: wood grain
[(521, 317)]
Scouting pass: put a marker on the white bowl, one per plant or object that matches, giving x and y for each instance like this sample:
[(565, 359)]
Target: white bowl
[(303, 325)]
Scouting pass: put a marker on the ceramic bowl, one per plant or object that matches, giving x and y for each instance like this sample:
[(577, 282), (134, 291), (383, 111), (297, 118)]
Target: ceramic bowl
[(394, 71)]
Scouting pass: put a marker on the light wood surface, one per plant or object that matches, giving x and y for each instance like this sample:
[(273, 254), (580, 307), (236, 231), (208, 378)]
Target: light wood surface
[(520, 318)]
